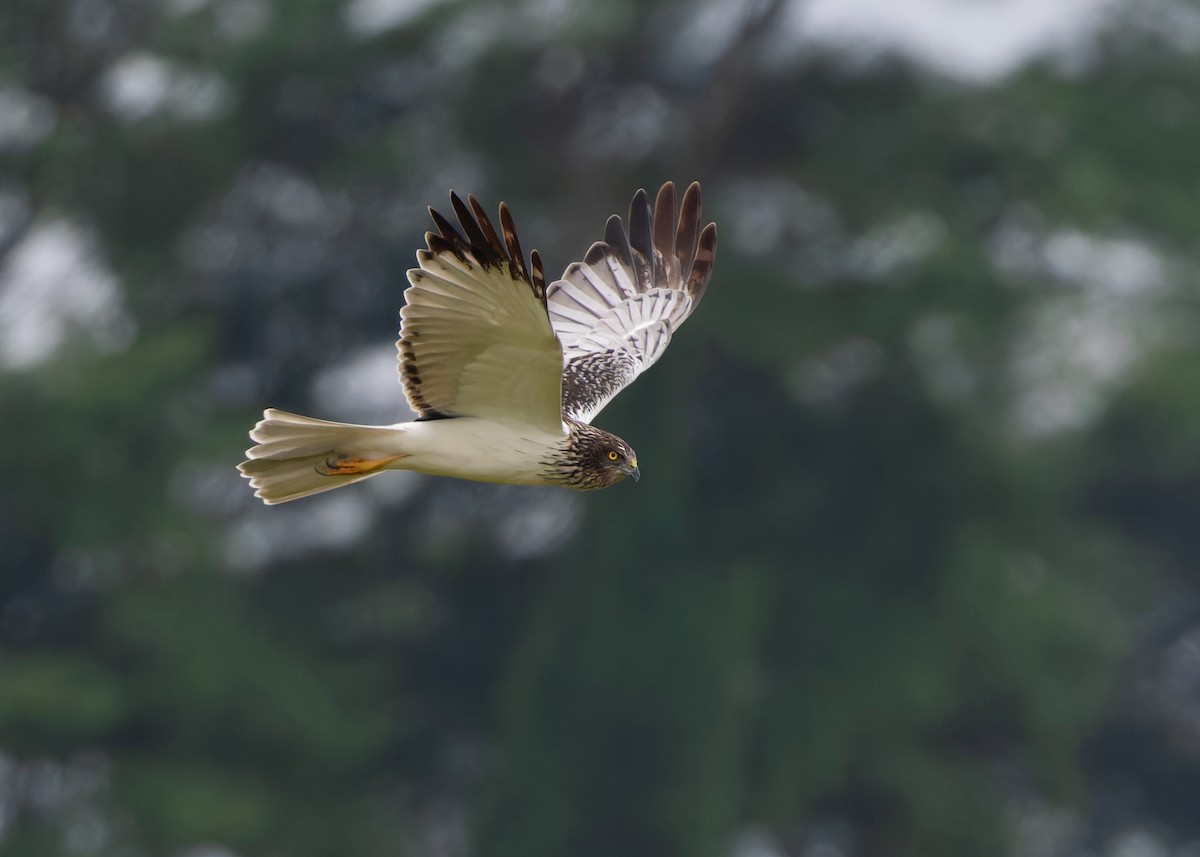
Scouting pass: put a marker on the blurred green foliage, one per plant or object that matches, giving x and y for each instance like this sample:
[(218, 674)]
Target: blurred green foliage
[(916, 530)]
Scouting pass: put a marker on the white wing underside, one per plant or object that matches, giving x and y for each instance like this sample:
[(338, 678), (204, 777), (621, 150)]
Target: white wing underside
[(599, 307), (475, 340), (613, 329)]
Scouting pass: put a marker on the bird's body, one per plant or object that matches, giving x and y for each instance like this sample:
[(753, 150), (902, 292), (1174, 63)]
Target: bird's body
[(482, 450), (505, 374)]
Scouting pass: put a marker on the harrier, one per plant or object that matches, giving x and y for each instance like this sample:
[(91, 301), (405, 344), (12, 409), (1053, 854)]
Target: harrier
[(505, 373)]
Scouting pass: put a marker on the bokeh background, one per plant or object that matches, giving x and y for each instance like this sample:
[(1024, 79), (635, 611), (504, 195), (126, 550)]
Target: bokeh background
[(912, 567)]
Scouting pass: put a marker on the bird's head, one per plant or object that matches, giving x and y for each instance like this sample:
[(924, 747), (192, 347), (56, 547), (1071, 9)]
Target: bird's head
[(622, 460), (600, 458)]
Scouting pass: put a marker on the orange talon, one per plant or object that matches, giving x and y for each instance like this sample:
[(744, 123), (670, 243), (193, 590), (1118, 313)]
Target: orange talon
[(345, 465)]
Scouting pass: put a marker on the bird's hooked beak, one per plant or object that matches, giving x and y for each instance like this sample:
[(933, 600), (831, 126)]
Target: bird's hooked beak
[(632, 469)]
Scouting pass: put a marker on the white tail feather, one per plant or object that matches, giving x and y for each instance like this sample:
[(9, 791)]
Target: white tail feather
[(292, 451)]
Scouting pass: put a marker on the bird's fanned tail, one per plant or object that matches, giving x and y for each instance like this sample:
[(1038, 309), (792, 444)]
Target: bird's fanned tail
[(296, 456)]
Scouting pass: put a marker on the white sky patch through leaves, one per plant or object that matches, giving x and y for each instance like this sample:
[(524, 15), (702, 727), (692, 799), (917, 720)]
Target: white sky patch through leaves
[(54, 287)]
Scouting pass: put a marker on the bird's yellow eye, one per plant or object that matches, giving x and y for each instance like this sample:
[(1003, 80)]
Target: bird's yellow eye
[(613, 455)]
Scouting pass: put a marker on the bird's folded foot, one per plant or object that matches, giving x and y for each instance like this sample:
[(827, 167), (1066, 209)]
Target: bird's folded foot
[(349, 465)]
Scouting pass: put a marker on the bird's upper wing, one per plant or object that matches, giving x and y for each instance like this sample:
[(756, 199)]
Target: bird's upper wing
[(475, 337), (615, 311)]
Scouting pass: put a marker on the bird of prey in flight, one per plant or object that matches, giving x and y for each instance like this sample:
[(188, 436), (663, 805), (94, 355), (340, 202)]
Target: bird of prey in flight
[(506, 373)]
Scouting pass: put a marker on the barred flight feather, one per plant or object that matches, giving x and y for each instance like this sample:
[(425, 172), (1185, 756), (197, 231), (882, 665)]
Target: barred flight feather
[(620, 306)]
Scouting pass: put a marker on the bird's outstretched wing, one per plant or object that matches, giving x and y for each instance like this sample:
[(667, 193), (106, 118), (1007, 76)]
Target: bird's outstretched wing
[(475, 337), (615, 311)]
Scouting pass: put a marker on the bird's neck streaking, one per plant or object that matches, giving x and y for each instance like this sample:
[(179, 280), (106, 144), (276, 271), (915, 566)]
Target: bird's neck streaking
[(583, 462)]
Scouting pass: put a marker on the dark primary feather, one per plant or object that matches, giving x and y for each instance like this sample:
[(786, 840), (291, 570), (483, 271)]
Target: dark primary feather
[(686, 232), (487, 248), (510, 239), (641, 238), (664, 232), (615, 242)]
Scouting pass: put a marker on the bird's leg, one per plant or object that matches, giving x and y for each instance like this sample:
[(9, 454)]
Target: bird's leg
[(349, 465)]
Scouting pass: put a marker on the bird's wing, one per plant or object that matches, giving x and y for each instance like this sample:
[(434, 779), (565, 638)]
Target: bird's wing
[(475, 337), (615, 311)]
